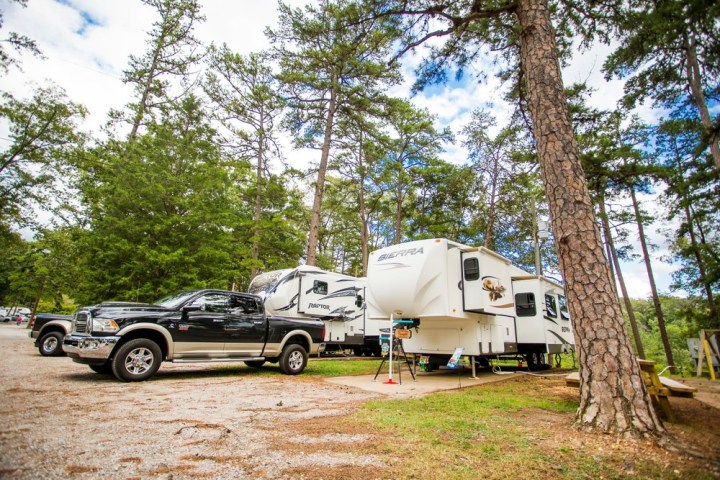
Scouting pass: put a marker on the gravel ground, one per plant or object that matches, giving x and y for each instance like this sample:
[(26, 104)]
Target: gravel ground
[(59, 419)]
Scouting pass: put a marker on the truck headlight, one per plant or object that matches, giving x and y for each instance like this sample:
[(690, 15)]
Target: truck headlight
[(104, 325)]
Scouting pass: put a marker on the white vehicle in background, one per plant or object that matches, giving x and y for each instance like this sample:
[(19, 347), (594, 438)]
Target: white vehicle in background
[(12, 313), (455, 296), (337, 299)]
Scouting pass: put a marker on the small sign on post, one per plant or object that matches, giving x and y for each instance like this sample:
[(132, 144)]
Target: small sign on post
[(403, 333)]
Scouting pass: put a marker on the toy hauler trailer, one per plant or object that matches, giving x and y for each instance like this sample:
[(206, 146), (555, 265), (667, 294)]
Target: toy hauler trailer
[(472, 298), (337, 299)]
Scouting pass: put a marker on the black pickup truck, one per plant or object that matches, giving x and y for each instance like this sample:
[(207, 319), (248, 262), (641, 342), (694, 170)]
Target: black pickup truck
[(130, 340), (48, 330)]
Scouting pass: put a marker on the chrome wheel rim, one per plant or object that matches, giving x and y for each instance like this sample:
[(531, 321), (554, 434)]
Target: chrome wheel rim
[(50, 344), (139, 361), (295, 360)]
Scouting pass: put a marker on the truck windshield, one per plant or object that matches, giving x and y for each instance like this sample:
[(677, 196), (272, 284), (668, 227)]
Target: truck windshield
[(175, 300), (264, 283)]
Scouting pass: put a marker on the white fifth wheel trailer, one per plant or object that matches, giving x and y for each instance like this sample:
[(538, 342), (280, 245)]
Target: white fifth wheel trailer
[(472, 298), (337, 299)]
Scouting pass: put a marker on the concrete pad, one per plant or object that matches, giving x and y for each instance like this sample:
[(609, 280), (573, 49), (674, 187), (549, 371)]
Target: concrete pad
[(426, 382)]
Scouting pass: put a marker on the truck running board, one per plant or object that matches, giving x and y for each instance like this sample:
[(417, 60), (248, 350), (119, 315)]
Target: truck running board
[(216, 360)]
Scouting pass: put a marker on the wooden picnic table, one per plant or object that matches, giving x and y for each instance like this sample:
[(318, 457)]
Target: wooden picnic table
[(659, 388)]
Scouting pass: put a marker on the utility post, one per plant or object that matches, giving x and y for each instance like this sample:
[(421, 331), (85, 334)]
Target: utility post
[(540, 234)]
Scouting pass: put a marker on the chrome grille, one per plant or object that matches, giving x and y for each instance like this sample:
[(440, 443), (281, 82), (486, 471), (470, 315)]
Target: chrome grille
[(81, 321)]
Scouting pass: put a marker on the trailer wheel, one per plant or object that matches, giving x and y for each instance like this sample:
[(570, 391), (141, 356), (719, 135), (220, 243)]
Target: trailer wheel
[(293, 359), (136, 360), (254, 363), (51, 344), (535, 362)]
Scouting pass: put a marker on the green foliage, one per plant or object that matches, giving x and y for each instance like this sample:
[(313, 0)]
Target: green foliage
[(684, 318), (172, 51), (45, 146), (20, 43), (653, 49), (162, 211)]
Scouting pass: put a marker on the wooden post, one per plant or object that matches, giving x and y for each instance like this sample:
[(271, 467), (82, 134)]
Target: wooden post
[(709, 351)]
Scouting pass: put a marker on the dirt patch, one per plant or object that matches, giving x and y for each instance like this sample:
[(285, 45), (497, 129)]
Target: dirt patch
[(59, 419)]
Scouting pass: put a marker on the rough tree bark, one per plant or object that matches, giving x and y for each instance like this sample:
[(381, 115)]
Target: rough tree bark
[(613, 396)]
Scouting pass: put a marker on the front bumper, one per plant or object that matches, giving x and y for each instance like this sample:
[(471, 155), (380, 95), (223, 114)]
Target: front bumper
[(85, 349)]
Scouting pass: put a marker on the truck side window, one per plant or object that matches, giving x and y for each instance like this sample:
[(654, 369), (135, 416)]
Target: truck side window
[(213, 302), (525, 304), (550, 306), (321, 288), (564, 313), (240, 305), (471, 268)]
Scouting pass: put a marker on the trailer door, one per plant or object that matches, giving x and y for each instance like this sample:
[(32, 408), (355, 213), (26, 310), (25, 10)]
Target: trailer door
[(473, 295), (487, 286)]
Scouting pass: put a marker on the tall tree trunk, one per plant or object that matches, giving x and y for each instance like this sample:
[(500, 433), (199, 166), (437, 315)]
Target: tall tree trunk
[(621, 280), (701, 266), (490, 227), (144, 98), (398, 210), (651, 278), (320, 183), (255, 253), (613, 396), (692, 69), (363, 213)]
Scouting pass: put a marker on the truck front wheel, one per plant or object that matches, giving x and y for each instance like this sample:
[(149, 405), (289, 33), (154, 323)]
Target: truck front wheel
[(136, 360), (293, 359), (51, 344)]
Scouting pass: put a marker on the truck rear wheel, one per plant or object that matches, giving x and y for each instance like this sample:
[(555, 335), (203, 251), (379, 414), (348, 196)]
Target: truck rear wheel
[(293, 359), (136, 360), (51, 344)]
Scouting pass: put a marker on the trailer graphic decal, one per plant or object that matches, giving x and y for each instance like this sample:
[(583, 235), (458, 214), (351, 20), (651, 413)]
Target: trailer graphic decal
[(400, 253), (293, 302), (345, 292), (494, 287)]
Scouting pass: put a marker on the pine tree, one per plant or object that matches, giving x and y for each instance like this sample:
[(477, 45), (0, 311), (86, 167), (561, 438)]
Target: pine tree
[(328, 59)]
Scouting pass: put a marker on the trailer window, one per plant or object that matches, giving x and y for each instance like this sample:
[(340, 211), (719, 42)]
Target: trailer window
[(321, 288), (550, 306), (471, 267), (564, 314), (525, 304)]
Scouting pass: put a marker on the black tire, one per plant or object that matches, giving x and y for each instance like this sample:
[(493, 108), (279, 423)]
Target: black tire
[(136, 360), (51, 344), (293, 359), (254, 363), (103, 368)]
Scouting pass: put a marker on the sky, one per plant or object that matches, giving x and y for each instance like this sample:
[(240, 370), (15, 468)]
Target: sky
[(87, 43)]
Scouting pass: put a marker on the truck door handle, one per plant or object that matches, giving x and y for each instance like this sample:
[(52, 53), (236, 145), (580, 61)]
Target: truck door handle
[(258, 322)]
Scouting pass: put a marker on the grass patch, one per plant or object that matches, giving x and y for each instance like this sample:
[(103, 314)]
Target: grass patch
[(341, 368), (316, 367), (521, 427)]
